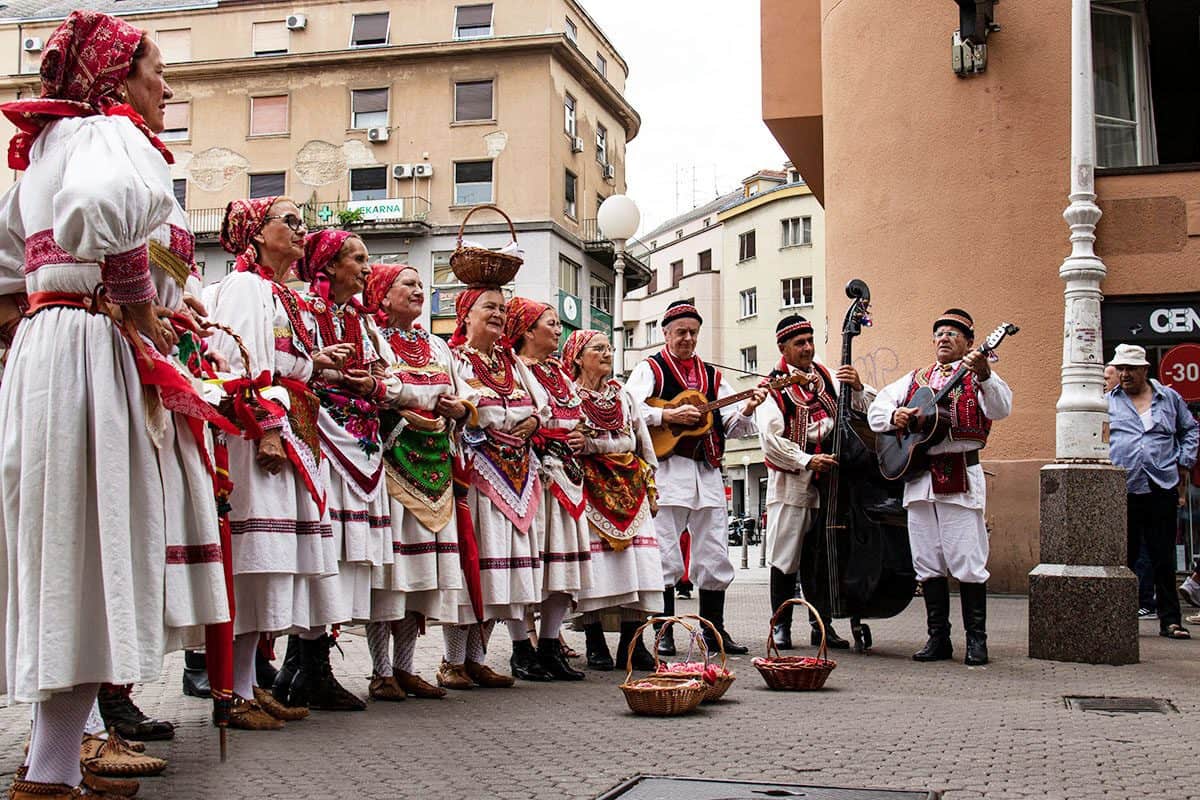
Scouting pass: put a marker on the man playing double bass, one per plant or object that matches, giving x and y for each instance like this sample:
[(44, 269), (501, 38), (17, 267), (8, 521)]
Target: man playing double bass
[(691, 494), (945, 503), (791, 425)]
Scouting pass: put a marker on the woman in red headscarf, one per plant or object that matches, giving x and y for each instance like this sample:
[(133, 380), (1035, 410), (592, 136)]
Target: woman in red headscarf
[(91, 555), (424, 580), (533, 330), (282, 540)]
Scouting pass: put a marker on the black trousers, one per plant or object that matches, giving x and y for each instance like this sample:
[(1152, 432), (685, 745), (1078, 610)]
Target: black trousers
[(1152, 520)]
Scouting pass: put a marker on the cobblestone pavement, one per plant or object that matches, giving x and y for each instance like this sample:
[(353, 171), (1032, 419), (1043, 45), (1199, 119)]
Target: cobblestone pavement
[(1000, 731)]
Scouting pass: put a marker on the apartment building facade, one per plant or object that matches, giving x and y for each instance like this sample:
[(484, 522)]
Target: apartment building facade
[(394, 118)]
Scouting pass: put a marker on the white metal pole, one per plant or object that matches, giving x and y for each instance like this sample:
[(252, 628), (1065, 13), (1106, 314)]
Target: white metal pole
[(618, 317)]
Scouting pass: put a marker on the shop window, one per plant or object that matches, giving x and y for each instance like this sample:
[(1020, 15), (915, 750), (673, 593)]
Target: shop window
[(369, 30), (268, 115), (368, 183)]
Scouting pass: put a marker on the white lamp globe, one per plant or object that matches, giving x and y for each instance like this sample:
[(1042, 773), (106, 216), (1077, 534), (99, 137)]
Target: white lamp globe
[(618, 217)]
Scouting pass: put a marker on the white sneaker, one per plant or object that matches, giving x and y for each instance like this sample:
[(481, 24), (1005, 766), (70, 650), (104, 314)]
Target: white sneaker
[(1189, 591), (1145, 613)]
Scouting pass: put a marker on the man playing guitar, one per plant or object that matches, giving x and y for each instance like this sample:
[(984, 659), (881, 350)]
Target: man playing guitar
[(945, 503), (691, 494), (791, 424)]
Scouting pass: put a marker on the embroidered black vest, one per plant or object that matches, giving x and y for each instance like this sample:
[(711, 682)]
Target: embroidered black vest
[(711, 446), (801, 407)]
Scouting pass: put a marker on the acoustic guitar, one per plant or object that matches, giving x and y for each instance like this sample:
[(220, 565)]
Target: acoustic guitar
[(665, 437), (904, 454)]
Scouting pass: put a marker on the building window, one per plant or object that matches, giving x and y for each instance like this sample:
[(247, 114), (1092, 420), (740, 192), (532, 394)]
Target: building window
[(175, 45), (794, 177), (676, 273), (652, 286), (749, 302), (473, 22), (177, 122), (1123, 135), (568, 275), (572, 31), (797, 291), (653, 336), (472, 183), (269, 115), (601, 144), (679, 233), (705, 259), (269, 38), (369, 30), (749, 358), (473, 101), (569, 115), (601, 295), (368, 183), (368, 108), (708, 222), (179, 185), (602, 65), (446, 285), (629, 338), (267, 184), (797, 231), (569, 194), (746, 246)]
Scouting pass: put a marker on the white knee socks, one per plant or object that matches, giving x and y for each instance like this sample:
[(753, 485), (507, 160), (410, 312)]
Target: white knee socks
[(95, 723), (378, 634), (455, 637), (477, 640), (57, 733), (516, 630), (404, 642), (244, 649), (554, 611)]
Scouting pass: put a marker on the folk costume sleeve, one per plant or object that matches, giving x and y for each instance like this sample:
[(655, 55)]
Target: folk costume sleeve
[(777, 448), (995, 397), (644, 446), (640, 386), (109, 203), (889, 398), (737, 424), (12, 244), (861, 401)]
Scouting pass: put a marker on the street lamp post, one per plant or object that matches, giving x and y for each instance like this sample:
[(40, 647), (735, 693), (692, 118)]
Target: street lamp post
[(618, 218)]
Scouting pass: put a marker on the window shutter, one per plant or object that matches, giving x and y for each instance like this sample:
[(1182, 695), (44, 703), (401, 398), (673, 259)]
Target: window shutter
[(266, 185), (368, 178), (369, 29), (268, 115), (473, 101), (177, 116), (176, 45), (269, 37), (365, 101), (475, 16)]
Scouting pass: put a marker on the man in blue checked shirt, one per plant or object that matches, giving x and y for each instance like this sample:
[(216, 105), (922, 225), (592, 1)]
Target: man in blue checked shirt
[(1154, 437)]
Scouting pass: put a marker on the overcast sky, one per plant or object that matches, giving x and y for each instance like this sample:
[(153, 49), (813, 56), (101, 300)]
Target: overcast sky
[(694, 76)]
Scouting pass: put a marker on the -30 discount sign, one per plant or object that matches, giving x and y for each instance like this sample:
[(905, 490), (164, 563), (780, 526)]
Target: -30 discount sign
[(1180, 369)]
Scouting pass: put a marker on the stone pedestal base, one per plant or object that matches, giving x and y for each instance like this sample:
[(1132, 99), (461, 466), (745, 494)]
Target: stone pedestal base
[(1082, 598)]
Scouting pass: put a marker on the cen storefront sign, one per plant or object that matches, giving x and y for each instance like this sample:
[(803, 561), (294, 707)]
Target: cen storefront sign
[(1169, 319)]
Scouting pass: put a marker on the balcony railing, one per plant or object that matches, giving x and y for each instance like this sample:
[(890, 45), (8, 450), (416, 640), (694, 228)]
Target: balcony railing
[(395, 211), (636, 253)]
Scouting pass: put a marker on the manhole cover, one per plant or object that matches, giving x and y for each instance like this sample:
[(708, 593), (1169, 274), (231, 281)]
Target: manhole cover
[(669, 788), (1122, 705)]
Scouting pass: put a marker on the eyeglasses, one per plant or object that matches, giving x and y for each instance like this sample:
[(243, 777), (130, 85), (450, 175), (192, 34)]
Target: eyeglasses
[(291, 220), (946, 335), (600, 348)]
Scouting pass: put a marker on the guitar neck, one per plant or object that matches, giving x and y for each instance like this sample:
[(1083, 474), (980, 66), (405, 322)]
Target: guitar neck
[(725, 401), (955, 380)]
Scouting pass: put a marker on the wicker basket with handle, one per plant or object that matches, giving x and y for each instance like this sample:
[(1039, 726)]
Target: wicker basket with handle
[(660, 695), (794, 673), (724, 678), (478, 266)]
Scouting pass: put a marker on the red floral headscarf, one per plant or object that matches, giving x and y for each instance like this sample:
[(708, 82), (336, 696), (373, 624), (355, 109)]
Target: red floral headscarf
[(83, 67), (379, 283), (574, 346), (523, 314), (243, 220), (320, 250), (462, 306)]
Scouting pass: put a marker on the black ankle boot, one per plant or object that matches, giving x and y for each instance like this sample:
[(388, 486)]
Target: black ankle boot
[(598, 656), (324, 691), (552, 660), (195, 674), (264, 671), (285, 688), (783, 588), (525, 664), (937, 617), (832, 640), (119, 711), (974, 612), (642, 660), (666, 643), (712, 608)]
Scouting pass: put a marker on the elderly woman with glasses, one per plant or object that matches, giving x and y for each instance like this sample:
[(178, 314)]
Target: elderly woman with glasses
[(282, 540)]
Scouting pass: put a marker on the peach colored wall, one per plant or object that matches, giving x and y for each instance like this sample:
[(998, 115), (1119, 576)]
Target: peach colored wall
[(1149, 236), (791, 80)]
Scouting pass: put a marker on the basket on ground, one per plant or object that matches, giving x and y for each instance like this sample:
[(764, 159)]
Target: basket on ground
[(661, 695), (794, 673), (717, 678), (476, 266)]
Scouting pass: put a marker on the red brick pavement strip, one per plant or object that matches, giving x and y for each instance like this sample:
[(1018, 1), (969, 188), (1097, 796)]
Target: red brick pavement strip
[(996, 732)]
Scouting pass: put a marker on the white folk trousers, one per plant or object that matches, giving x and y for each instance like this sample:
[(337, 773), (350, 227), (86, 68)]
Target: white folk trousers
[(710, 566), (948, 539)]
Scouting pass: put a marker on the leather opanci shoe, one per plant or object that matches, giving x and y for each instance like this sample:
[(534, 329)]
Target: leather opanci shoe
[(276, 709), (112, 758), (488, 678), (454, 676), (384, 687), (416, 686), (247, 715)]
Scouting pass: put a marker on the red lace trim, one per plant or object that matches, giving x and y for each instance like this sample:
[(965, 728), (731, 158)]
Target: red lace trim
[(126, 276)]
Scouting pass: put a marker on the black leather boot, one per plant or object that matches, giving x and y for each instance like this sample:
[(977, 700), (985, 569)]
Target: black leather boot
[(525, 664), (552, 660), (324, 691), (832, 640), (285, 688), (666, 644), (783, 588), (119, 711), (712, 608), (195, 674), (642, 660), (937, 616), (264, 671), (974, 612), (598, 656)]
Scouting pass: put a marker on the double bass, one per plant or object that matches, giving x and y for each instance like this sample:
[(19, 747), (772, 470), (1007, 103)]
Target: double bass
[(856, 562)]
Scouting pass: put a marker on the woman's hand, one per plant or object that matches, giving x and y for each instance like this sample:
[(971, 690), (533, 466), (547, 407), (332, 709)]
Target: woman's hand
[(525, 428), (150, 319), (271, 455), (359, 381), (576, 440), (450, 407), (332, 357), (218, 361)]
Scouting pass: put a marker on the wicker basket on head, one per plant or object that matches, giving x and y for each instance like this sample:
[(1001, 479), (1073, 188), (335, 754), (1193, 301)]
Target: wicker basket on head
[(794, 673), (476, 266), (659, 695), (715, 691)]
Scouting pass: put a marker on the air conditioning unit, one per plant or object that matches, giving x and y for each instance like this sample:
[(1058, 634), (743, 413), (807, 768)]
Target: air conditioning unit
[(610, 172), (402, 171), (296, 22), (377, 135), (422, 170), (576, 144), (32, 44)]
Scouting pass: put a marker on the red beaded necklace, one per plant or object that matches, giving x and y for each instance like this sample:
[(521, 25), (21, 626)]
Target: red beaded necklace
[(351, 330), (494, 372), (603, 409), (412, 345), (554, 381), (291, 307)]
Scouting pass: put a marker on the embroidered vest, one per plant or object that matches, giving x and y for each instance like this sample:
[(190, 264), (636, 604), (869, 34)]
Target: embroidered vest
[(801, 408), (711, 446), (967, 420)]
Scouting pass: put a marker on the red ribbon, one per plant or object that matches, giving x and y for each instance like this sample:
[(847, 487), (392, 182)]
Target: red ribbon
[(247, 395)]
